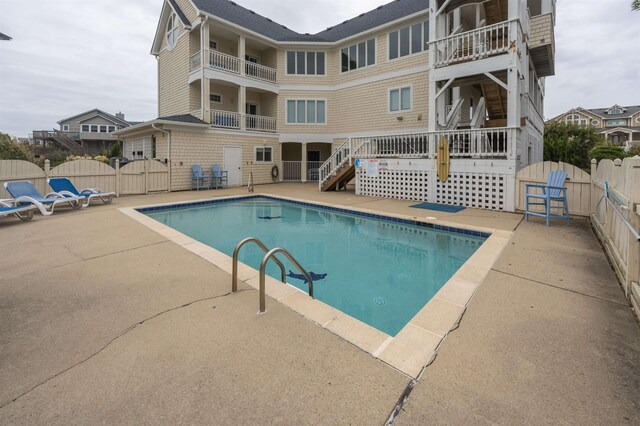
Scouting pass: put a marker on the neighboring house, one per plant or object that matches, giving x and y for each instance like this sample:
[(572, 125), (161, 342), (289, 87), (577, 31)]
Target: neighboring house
[(620, 125), (90, 132), (238, 89)]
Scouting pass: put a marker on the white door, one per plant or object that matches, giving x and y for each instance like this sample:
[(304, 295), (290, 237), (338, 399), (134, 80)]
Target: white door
[(232, 163)]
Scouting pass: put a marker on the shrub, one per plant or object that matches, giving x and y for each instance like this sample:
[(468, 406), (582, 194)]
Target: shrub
[(115, 150), (570, 143), (10, 150), (101, 158), (607, 152)]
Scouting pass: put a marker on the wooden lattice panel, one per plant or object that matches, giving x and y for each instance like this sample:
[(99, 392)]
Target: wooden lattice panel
[(400, 184), (479, 190)]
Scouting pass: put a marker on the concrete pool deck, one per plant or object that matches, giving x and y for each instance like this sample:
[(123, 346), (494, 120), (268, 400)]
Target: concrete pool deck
[(104, 320)]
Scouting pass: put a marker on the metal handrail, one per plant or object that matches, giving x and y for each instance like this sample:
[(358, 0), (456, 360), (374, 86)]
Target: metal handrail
[(263, 266), (236, 251)]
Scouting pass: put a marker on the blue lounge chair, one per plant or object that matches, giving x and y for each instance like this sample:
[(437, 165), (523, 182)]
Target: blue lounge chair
[(63, 185), (199, 179), (553, 192), (219, 178), (25, 193), (9, 207)]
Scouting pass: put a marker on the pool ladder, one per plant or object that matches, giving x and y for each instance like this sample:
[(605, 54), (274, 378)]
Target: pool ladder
[(263, 265)]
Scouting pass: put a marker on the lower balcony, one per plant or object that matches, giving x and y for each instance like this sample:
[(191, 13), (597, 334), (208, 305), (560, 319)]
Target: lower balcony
[(234, 121)]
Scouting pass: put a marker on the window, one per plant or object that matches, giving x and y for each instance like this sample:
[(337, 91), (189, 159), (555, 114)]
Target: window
[(409, 40), (85, 128), (615, 111), (358, 55), (172, 30), (213, 45), (94, 128), (576, 119), (619, 122), (215, 98), (263, 154), (302, 111), (594, 122), (103, 129), (637, 119), (112, 129), (305, 63), (400, 99), (65, 128)]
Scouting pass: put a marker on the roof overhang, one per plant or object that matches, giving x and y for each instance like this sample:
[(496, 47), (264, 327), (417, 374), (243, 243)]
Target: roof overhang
[(158, 124)]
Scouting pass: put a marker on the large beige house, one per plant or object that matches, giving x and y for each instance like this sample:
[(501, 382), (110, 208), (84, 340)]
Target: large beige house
[(366, 99), (620, 125)]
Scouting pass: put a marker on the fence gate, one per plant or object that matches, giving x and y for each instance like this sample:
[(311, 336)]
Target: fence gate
[(142, 177), (578, 185)]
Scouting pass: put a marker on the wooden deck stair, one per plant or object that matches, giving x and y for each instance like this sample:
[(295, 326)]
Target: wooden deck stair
[(496, 11), (495, 101), (65, 141), (340, 179)]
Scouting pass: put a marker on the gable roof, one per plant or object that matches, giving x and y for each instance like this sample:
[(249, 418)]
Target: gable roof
[(627, 111), (168, 7), (236, 14), (99, 112)]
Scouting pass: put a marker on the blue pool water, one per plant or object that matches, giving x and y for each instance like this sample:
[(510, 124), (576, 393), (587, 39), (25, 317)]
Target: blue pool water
[(381, 271)]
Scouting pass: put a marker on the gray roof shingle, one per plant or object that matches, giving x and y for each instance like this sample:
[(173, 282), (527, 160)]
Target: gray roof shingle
[(180, 13), (182, 118), (233, 12), (602, 112)]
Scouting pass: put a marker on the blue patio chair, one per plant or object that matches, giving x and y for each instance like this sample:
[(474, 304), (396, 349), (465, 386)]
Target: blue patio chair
[(219, 178), (9, 207), (553, 192), (24, 193), (63, 185), (199, 179)]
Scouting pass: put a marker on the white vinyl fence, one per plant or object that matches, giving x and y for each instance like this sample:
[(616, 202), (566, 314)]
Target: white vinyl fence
[(136, 177), (616, 219)]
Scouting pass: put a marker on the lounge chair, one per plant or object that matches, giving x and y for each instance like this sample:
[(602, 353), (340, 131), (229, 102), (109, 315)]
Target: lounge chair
[(25, 193), (219, 178), (63, 185), (9, 207), (553, 191)]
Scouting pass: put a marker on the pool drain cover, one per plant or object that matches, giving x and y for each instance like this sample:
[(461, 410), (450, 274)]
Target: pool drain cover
[(380, 301)]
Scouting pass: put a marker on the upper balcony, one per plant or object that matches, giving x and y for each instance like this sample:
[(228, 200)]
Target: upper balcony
[(232, 65), (542, 44)]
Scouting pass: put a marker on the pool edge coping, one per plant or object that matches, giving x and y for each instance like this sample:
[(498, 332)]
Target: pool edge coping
[(416, 345)]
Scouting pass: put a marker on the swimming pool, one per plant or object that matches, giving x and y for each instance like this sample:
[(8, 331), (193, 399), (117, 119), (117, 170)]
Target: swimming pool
[(380, 270)]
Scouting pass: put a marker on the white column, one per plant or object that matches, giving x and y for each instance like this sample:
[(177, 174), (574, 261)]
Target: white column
[(241, 54), (205, 88), (303, 165), (242, 100)]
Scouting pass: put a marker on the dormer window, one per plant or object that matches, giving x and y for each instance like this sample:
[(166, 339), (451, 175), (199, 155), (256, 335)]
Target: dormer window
[(172, 31), (615, 111)]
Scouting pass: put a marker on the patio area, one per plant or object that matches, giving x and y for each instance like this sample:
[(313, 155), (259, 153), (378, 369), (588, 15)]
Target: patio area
[(104, 320)]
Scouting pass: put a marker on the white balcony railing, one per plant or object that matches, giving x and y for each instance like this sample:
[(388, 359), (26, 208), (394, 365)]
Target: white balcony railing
[(260, 72), (498, 142), (471, 45), (259, 123), (233, 65), (224, 62), (477, 143), (225, 119)]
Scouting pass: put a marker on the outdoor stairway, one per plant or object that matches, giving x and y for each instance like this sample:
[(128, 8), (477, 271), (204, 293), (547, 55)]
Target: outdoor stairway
[(496, 11), (340, 179), (65, 141), (495, 104)]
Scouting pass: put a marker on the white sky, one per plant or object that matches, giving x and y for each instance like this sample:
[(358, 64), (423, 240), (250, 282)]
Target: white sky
[(69, 56)]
